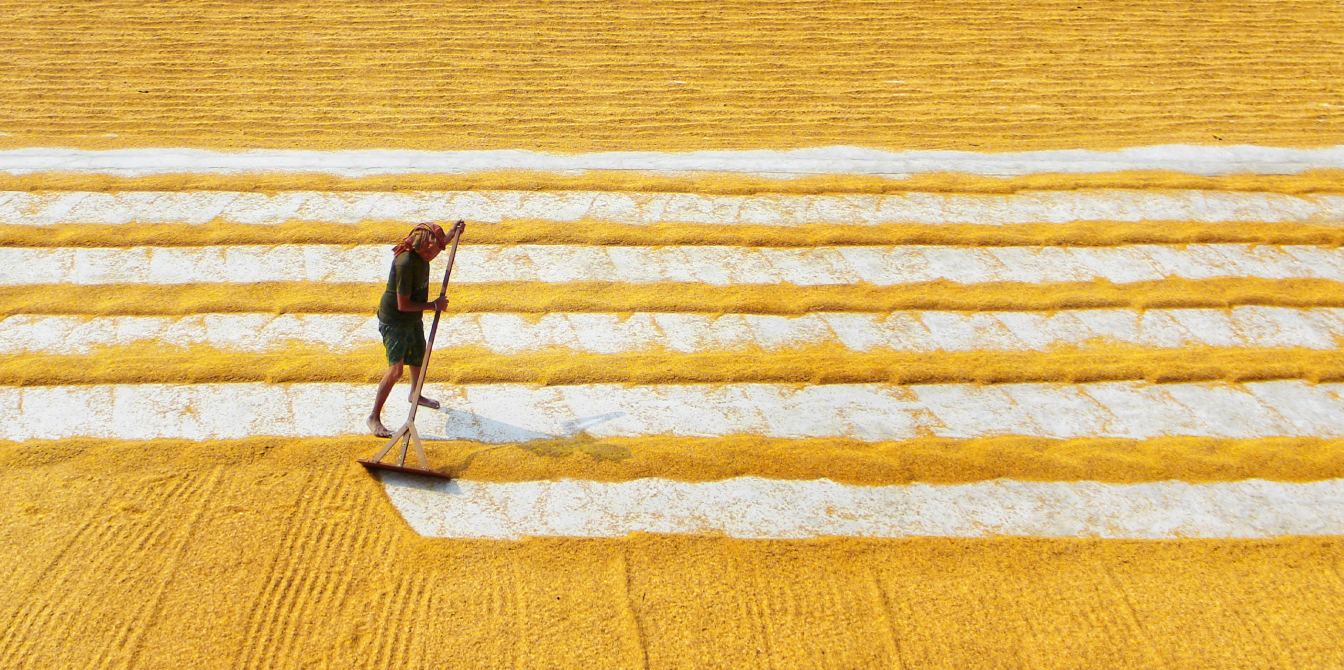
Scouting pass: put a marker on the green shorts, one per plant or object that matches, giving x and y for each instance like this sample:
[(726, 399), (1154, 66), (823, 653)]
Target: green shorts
[(404, 341)]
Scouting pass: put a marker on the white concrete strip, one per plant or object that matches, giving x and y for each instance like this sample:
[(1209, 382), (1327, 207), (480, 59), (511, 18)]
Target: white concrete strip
[(755, 508), (603, 333), (511, 413), (1204, 160), (339, 333), (716, 265), (198, 207)]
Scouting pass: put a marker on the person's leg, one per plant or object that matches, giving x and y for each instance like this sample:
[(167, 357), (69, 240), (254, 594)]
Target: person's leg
[(415, 356), (395, 345), (424, 402), (385, 385)]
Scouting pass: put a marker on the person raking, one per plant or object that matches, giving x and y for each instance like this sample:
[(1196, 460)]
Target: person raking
[(399, 315)]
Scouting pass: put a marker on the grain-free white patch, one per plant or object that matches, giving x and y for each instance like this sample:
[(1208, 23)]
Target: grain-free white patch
[(513, 413), (756, 508), (714, 265), (487, 207), (1203, 160)]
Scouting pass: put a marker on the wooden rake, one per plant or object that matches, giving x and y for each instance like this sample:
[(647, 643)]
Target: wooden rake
[(407, 434)]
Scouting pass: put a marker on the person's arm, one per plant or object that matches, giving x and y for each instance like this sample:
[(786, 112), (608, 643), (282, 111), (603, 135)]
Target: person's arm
[(405, 304)]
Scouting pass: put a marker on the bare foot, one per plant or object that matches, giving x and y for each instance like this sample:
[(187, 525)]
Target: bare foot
[(377, 428), (427, 402)]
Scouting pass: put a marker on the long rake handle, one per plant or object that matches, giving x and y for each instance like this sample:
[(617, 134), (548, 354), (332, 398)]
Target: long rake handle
[(434, 329)]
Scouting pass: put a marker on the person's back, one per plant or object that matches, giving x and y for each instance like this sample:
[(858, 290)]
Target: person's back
[(409, 275)]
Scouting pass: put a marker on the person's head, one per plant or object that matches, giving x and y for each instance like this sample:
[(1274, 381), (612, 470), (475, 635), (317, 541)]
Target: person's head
[(430, 248), (427, 240)]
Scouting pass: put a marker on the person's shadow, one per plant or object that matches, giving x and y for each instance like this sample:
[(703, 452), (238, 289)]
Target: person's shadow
[(476, 428)]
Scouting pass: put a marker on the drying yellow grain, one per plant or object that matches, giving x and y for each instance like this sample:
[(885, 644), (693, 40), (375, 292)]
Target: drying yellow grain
[(280, 554), (930, 460), (995, 75), (706, 182), (1075, 234), (786, 299), (152, 362)]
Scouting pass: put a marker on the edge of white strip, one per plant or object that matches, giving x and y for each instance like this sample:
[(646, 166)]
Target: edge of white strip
[(757, 508), (1199, 160)]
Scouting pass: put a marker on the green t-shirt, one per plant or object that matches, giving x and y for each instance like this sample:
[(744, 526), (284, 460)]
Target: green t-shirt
[(409, 276)]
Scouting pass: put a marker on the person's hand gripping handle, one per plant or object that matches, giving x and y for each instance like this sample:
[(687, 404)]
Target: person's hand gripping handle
[(455, 234)]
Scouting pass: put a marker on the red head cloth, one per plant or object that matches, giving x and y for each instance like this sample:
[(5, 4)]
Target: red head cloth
[(420, 237)]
